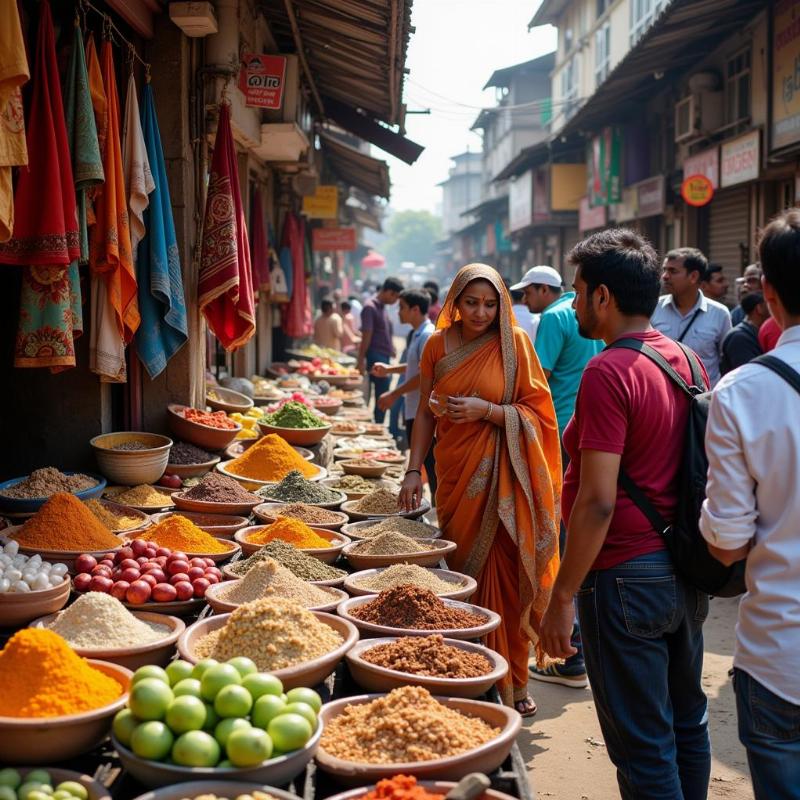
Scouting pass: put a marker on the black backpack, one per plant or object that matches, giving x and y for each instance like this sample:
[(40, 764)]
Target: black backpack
[(682, 536)]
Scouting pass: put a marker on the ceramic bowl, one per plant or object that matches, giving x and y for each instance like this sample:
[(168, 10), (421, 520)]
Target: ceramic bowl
[(332, 506), (325, 554), (192, 470), (463, 585), (308, 673), (237, 508), (254, 484), (301, 436), (329, 408), (382, 679), (220, 788), (30, 505), (223, 526), (437, 551), (227, 400), (95, 789), (45, 740), (19, 608), (483, 758), (204, 436), (353, 466), (269, 512), (221, 606), (132, 466), (158, 652), (356, 515), (355, 530), (372, 630), (113, 492)]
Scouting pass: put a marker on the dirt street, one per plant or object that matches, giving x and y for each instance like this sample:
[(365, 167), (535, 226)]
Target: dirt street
[(564, 749)]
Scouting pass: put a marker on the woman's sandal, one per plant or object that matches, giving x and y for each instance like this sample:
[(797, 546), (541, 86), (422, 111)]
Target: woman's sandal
[(526, 707)]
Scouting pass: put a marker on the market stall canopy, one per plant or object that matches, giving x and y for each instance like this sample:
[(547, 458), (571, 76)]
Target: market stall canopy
[(369, 174), (373, 260)]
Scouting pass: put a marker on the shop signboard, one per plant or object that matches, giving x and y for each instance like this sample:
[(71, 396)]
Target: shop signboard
[(627, 208), (785, 74), (323, 204), (740, 160), (520, 201), (567, 186), (591, 217), (705, 163), (333, 239), (697, 190), (650, 197), (262, 79), (605, 187)]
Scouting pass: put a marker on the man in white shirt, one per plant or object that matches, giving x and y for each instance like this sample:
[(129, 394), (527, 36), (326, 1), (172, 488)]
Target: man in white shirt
[(685, 314), (752, 511), (526, 319)]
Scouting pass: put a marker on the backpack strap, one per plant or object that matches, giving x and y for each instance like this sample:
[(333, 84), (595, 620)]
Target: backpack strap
[(642, 502), (641, 347), (791, 376)]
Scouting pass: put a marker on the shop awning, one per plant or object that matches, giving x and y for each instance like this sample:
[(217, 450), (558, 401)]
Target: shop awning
[(526, 159), (364, 217), (358, 169), (487, 207)]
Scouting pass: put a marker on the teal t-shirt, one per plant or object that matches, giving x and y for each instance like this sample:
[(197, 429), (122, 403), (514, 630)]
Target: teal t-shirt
[(563, 351)]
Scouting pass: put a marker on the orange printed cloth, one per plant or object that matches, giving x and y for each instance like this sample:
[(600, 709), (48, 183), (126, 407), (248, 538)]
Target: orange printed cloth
[(499, 487)]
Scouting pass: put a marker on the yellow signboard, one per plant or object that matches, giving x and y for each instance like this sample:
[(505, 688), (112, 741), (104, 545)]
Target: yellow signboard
[(785, 74), (567, 186), (323, 204)]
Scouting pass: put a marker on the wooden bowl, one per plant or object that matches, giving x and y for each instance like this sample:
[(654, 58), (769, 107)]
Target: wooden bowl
[(269, 512), (301, 436), (332, 506), (382, 679), (463, 585), (372, 630), (95, 789), (223, 526), (30, 505), (439, 549), (254, 484), (203, 436), (131, 466), (354, 514), (158, 652), (309, 673), (221, 606), (325, 554), (192, 470), (355, 530), (184, 503), (228, 400), (220, 788), (45, 740), (483, 758), (17, 609), (351, 466)]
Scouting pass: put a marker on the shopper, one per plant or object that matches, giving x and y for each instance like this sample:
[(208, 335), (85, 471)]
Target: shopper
[(750, 282), (715, 284), (752, 511), (685, 314), (641, 624), (768, 335), (497, 462), (328, 329), (350, 336), (526, 319), (376, 338), (435, 307), (740, 344)]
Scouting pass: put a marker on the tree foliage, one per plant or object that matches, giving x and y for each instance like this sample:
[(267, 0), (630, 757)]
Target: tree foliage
[(412, 236)]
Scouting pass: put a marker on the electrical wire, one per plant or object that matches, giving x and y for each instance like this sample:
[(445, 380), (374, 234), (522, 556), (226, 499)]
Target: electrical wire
[(108, 26)]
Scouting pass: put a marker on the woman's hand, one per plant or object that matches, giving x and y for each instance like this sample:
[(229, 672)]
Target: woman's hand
[(410, 497), (466, 409)]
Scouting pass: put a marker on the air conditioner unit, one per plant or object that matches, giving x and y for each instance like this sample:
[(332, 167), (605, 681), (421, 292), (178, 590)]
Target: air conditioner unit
[(687, 118), (698, 115)]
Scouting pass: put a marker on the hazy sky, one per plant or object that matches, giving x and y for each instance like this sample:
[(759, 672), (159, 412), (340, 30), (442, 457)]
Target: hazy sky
[(456, 47)]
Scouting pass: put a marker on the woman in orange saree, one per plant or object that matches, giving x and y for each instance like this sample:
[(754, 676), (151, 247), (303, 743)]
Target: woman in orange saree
[(498, 462)]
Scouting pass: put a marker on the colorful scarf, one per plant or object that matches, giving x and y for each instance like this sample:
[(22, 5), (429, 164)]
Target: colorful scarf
[(164, 327), (260, 255), (138, 177), (225, 289), (296, 315)]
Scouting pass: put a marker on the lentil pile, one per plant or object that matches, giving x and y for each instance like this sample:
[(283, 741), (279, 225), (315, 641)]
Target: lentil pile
[(143, 495), (112, 520), (389, 544), (293, 531), (269, 578), (294, 488), (311, 515), (218, 488), (179, 533), (406, 725), (417, 609), (45, 482), (398, 574), (185, 453), (274, 632), (407, 527), (294, 415), (98, 621), (428, 655), (378, 501), (271, 458), (301, 564)]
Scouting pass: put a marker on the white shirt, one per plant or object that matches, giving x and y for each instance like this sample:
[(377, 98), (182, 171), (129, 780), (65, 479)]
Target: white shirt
[(413, 357), (706, 333), (356, 307), (527, 320), (753, 448)]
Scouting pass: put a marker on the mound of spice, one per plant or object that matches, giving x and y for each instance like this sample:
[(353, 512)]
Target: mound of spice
[(294, 488), (311, 515), (144, 495), (355, 483), (415, 608), (406, 725), (179, 533), (42, 676), (389, 544), (408, 527), (400, 787), (274, 632), (364, 462), (185, 453), (271, 458), (98, 621), (214, 419), (398, 574), (269, 578), (218, 488), (294, 415), (64, 523), (293, 531), (378, 501), (46, 482), (113, 521), (428, 655), (301, 564)]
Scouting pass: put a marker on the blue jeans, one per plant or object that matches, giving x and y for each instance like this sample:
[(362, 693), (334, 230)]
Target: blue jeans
[(380, 385), (769, 727), (642, 634)]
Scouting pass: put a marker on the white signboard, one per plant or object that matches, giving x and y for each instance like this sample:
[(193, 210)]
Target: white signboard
[(705, 163), (520, 202), (740, 160)]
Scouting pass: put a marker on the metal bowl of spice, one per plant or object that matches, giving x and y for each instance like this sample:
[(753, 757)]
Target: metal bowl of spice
[(447, 667), (442, 582), (312, 515), (131, 457), (254, 537)]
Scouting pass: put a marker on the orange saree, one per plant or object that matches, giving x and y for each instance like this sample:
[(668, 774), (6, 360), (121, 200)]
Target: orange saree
[(499, 487)]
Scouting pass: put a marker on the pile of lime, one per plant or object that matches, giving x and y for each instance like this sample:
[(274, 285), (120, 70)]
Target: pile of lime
[(211, 714), (38, 785)]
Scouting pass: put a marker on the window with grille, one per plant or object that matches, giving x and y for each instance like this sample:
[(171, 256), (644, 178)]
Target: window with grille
[(737, 88), (602, 53), (643, 14)]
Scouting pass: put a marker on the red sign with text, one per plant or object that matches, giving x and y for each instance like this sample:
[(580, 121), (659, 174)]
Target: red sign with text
[(261, 80), (332, 239)]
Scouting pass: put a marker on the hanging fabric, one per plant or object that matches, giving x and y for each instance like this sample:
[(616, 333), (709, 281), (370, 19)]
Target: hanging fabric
[(294, 317), (260, 256), (279, 289), (13, 74), (226, 289), (164, 328)]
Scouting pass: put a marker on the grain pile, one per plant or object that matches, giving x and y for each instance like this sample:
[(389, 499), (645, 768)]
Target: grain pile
[(428, 655), (378, 501), (398, 574), (390, 544), (301, 564), (408, 527)]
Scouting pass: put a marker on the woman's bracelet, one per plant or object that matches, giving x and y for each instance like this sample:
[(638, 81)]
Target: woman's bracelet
[(419, 472), (489, 411)]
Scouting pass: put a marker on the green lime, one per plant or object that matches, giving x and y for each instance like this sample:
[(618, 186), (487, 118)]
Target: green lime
[(124, 725), (289, 731), (212, 718), (248, 747), (7, 792), (10, 777), (196, 749), (178, 670), (74, 788), (190, 686), (201, 666), (233, 701), (38, 794), (60, 794), (304, 710), (227, 726), (149, 671), (225, 764), (243, 665), (186, 713), (27, 788), (265, 708), (152, 740), (39, 776), (215, 678), (303, 695), (262, 683), (149, 698)]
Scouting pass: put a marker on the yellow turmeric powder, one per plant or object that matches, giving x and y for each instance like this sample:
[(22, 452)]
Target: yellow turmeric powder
[(179, 533), (271, 458), (292, 531), (42, 676)]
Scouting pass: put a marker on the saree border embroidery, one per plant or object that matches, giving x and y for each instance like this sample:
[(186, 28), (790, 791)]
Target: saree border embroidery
[(460, 354), (489, 522), (479, 481)]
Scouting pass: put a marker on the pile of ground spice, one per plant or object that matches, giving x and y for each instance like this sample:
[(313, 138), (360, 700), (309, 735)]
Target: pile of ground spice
[(418, 609), (214, 419), (294, 414), (293, 531), (389, 544), (179, 533), (294, 488), (301, 564), (399, 787), (218, 488), (404, 726), (398, 574), (269, 578), (64, 523), (274, 632), (144, 495), (271, 458), (378, 501), (98, 621), (407, 527), (185, 453), (311, 515), (45, 482), (428, 655), (355, 484), (113, 521)]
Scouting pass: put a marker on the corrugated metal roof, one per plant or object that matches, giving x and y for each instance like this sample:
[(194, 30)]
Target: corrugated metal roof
[(502, 77), (355, 168)]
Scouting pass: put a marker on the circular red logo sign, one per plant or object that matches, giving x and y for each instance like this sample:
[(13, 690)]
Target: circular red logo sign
[(697, 190)]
